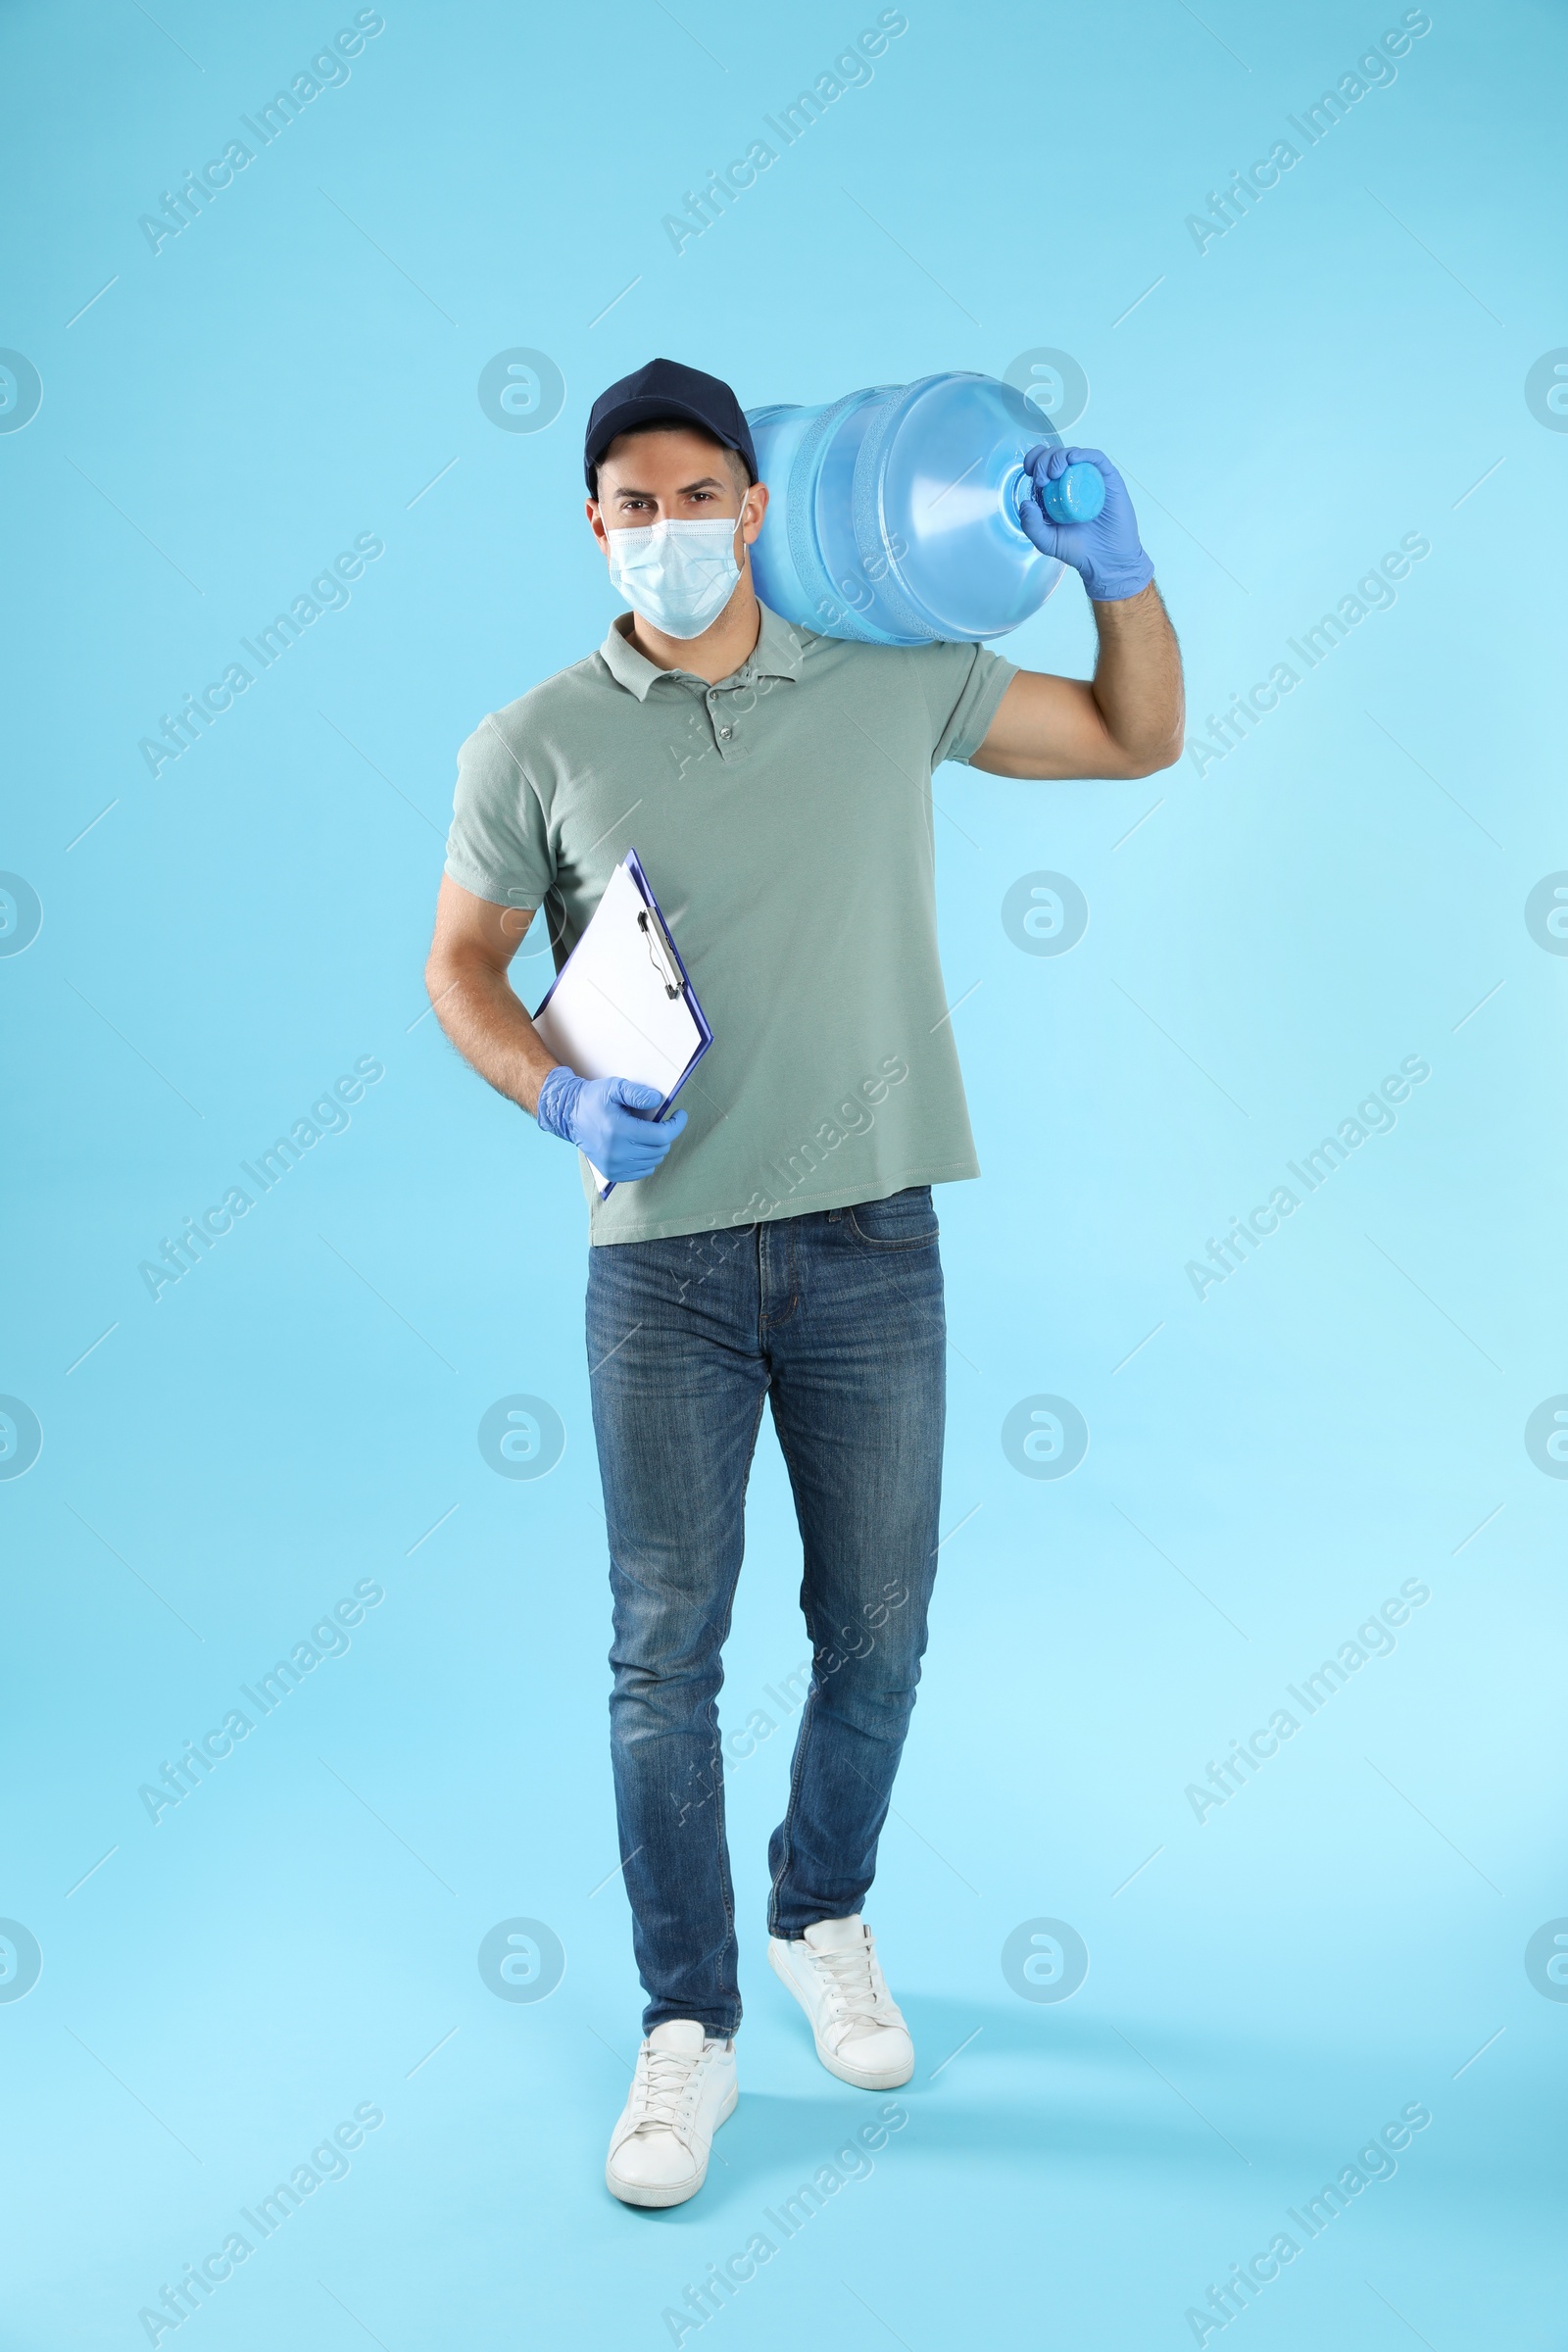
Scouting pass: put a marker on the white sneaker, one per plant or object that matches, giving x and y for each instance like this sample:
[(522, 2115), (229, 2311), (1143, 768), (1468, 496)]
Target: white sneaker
[(683, 2089), (859, 2030)]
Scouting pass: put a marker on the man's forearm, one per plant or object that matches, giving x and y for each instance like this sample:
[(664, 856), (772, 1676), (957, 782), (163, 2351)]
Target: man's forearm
[(1138, 677), (1126, 722), (480, 1013)]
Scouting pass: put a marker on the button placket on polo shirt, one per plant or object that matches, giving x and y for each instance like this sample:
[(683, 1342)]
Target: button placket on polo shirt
[(727, 718)]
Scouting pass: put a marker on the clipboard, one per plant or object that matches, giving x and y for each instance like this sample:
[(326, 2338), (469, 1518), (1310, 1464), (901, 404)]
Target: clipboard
[(623, 1005)]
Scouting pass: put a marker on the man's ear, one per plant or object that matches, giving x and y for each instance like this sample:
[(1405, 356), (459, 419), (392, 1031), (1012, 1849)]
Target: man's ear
[(753, 508)]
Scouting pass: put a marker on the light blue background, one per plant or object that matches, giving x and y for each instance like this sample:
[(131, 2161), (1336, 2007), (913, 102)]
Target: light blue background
[(1339, 893)]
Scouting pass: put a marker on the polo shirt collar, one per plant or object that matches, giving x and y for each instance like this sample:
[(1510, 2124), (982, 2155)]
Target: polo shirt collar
[(780, 649), (778, 654)]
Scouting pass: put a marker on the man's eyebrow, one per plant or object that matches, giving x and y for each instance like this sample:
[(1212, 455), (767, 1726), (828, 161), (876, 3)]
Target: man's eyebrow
[(709, 481)]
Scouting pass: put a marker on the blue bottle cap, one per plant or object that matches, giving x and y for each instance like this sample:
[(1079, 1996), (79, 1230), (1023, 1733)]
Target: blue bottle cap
[(1076, 496)]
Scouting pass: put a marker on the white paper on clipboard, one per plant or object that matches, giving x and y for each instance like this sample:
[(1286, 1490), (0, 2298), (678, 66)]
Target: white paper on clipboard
[(622, 1007)]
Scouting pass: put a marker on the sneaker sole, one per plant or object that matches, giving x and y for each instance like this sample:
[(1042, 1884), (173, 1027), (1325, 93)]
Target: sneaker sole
[(659, 2193), (860, 2078)]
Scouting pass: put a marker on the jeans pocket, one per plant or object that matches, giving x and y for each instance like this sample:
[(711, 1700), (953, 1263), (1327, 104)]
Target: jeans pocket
[(905, 1220)]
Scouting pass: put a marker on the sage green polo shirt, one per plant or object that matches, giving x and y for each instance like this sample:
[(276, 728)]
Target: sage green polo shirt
[(784, 820)]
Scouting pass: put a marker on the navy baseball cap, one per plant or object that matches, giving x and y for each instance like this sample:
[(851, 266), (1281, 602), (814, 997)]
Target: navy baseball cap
[(666, 393)]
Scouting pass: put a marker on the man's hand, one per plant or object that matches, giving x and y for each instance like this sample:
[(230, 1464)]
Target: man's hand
[(1127, 719), (607, 1118), (467, 976), (1107, 554)]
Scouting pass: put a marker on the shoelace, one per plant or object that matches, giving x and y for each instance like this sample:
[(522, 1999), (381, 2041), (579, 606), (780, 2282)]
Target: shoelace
[(668, 2081), (853, 1978)]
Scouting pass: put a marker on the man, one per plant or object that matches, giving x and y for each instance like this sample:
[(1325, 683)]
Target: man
[(774, 1238)]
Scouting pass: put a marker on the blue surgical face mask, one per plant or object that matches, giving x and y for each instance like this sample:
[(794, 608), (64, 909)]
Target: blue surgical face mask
[(678, 576)]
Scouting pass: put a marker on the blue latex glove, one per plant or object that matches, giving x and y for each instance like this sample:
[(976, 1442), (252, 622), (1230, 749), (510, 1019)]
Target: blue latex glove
[(606, 1117), (1106, 552)]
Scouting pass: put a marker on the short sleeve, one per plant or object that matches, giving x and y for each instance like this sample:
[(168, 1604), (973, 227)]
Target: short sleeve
[(963, 684), (499, 846)]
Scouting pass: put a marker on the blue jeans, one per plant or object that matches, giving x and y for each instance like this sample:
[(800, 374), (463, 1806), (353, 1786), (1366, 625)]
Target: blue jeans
[(837, 1318)]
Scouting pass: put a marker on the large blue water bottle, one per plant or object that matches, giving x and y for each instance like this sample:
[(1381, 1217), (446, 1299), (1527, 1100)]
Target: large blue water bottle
[(893, 514)]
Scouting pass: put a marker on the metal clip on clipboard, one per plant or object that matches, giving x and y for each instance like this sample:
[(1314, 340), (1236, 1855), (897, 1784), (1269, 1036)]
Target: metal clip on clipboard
[(661, 949), (623, 1005)]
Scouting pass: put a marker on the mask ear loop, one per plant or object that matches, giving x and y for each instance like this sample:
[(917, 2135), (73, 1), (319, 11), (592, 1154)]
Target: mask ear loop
[(743, 559)]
